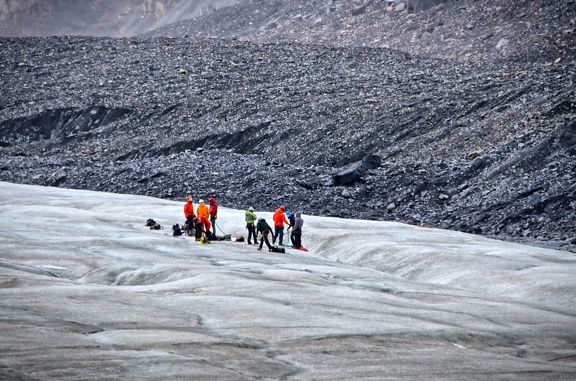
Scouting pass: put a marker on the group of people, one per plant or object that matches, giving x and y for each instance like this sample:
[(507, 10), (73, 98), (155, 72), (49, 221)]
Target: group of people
[(202, 224), (281, 216), (202, 220)]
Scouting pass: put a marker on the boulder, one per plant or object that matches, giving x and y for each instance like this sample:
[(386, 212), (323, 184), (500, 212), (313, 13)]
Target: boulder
[(355, 171)]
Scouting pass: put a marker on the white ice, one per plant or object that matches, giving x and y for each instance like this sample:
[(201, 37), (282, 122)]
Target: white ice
[(88, 292)]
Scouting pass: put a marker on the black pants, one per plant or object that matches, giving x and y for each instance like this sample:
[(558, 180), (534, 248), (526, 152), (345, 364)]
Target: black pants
[(213, 222), (264, 239), (296, 238), (189, 224), (251, 233), (278, 232)]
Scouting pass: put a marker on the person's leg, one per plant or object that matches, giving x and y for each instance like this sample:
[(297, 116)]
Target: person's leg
[(297, 240), (261, 242), (213, 222), (277, 232), (267, 242), (189, 224)]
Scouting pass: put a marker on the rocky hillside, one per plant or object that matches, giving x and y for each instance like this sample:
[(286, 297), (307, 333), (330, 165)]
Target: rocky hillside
[(106, 18), (487, 30), (358, 132)]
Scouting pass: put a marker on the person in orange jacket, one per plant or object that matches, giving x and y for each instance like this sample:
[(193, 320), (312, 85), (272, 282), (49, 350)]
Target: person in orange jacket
[(279, 220), (202, 209), (189, 214), (202, 226), (213, 213)]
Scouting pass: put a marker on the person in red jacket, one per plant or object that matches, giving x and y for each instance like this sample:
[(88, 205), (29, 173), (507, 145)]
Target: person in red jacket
[(189, 214), (202, 227), (279, 220), (213, 213)]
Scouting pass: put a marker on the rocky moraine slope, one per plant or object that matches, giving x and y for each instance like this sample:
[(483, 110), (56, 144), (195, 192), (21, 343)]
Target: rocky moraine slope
[(358, 132)]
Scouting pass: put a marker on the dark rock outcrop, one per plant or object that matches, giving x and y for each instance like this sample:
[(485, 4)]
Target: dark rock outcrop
[(355, 171)]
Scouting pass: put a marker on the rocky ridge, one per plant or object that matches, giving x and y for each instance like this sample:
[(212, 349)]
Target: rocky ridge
[(349, 131), (479, 31), (102, 18)]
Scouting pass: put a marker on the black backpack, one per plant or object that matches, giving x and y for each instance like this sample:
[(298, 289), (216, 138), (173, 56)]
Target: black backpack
[(276, 249), (176, 231), (153, 224)]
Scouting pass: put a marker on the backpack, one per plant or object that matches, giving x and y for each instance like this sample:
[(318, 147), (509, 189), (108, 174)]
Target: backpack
[(276, 249), (176, 231), (156, 226)]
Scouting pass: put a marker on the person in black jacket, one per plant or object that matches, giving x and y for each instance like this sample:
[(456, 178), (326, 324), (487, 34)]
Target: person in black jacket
[(291, 219), (263, 227)]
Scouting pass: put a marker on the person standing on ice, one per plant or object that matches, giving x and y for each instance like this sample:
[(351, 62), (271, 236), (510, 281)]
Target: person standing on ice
[(189, 214), (202, 209), (213, 210), (296, 236), (290, 217), (265, 229), (250, 220), (279, 221)]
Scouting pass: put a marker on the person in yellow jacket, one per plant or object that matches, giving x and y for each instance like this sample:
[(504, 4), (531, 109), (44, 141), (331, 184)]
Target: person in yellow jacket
[(250, 219), (203, 210)]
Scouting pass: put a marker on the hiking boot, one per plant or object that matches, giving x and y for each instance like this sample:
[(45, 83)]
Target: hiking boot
[(280, 244), (259, 248), (249, 243)]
